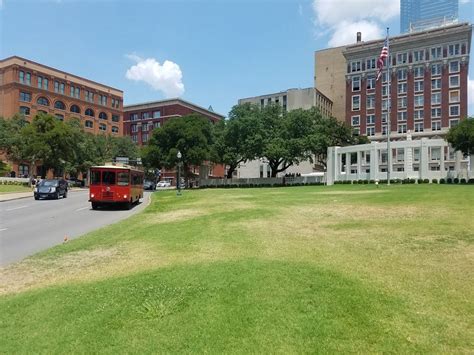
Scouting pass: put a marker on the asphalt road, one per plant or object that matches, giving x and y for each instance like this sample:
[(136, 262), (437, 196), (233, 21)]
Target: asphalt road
[(28, 226)]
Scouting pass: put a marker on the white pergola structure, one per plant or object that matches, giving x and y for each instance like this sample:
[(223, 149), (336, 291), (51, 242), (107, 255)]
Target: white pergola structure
[(409, 159)]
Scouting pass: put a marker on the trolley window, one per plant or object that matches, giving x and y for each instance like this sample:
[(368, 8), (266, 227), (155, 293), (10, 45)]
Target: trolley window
[(123, 179), (95, 177), (108, 177)]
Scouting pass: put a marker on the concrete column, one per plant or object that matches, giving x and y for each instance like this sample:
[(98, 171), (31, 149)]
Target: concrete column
[(457, 164), (424, 159), (374, 162), (471, 166), (441, 161), (408, 161), (331, 166), (359, 164), (348, 165)]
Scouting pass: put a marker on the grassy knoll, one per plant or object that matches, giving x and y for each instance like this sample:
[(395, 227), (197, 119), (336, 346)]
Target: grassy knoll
[(301, 269), (4, 189)]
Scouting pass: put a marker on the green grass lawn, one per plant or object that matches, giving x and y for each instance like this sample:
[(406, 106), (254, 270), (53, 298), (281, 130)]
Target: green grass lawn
[(289, 270), (5, 189)]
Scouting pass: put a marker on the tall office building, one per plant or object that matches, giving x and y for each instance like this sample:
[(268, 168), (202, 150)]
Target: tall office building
[(422, 14)]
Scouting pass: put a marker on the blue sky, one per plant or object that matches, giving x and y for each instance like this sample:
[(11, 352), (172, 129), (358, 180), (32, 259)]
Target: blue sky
[(216, 51)]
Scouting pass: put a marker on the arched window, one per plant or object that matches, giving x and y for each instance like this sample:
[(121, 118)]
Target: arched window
[(43, 112), (60, 117), (25, 110), (42, 101), (75, 109), (89, 112), (59, 105), (103, 116)]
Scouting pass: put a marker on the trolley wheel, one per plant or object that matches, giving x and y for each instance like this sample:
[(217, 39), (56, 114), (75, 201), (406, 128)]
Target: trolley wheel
[(95, 205)]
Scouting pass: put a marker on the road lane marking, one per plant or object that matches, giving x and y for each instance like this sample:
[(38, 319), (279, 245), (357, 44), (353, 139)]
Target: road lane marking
[(15, 208), (83, 208)]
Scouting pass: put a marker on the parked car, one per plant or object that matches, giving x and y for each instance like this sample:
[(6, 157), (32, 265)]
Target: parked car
[(51, 188), (163, 183), (149, 185)]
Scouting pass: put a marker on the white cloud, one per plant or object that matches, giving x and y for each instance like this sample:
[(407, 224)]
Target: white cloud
[(166, 77), (343, 18), (464, 1), (345, 32)]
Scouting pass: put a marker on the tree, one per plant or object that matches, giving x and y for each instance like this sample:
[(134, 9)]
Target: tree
[(191, 135), (285, 136), (237, 139), (461, 136), (10, 137), (329, 132)]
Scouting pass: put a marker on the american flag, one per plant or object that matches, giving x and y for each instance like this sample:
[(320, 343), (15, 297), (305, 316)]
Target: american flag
[(380, 61)]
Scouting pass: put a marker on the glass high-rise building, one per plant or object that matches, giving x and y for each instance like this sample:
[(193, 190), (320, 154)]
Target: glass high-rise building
[(420, 13)]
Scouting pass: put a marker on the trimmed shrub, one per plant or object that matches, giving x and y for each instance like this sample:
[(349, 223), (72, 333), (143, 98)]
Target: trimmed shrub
[(420, 181), (456, 180), (371, 181), (449, 181), (434, 181), (470, 181), (442, 181), (463, 181)]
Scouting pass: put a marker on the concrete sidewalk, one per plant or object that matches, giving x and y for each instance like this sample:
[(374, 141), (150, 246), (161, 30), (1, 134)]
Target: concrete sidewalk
[(18, 195)]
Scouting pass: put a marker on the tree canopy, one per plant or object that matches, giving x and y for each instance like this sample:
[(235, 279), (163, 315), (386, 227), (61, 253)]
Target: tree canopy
[(461, 136)]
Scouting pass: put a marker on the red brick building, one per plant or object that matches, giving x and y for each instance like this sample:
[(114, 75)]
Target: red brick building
[(28, 88), (140, 120), (428, 83)]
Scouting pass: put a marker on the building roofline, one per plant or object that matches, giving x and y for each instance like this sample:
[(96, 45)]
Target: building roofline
[(275, 93), (149, 104), (58, 70), (413, 35)]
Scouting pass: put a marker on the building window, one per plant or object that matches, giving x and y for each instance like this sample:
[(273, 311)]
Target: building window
[(75, 109), (145, 115), (156, 114), (436, 98), (89, 96), (402, 116), (77, 94), (89, 112), (418, 86), (134, 117), (454, 66), (435, 84), (115, 129), (435, 69), (102, 127), (56, 86), (370, 119), (454, 81), (370, 131), (370, 64), (370, 82), (71, 91), (384, 76), (402, 102), (356, 83), (25, 96), (145, 127), (384, 130), (370, 102), (419, 72), (23, 170), (385, 104), (356, 103), (454, 96), (419, 127), (59, 105), (157, 124), (385, 90), (402, 74), (115, 103), (418, 114), (384, 117), (60, 117), (436, 112), (24, 110), (454, 49), (402, 58), (103, 116), (134, 138), (45, 83), (115, 118), (453, 123), (419, 100), (103, 100), (145, 137), (40, 82), (453, 110), (356, 131), (61, 88), (43, 112), (21, 77), (89, 124), (402, 128), (42, 101), (436, 53), (355, 66), (436, 125), (419, 56), (355, 120), (134, 128), (402, 88)]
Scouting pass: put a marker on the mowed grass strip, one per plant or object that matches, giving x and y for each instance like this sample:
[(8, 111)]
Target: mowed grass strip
[(6, 189), (300, 269)]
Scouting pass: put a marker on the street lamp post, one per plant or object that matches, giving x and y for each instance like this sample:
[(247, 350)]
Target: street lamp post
[(178, 180)]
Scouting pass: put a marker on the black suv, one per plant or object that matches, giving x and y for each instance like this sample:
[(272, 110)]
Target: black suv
[(51, 189)]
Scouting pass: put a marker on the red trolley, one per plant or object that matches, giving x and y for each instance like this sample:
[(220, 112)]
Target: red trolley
[(115, 184)]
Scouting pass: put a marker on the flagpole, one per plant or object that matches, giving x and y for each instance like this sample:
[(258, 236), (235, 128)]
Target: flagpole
[(389, 128)]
